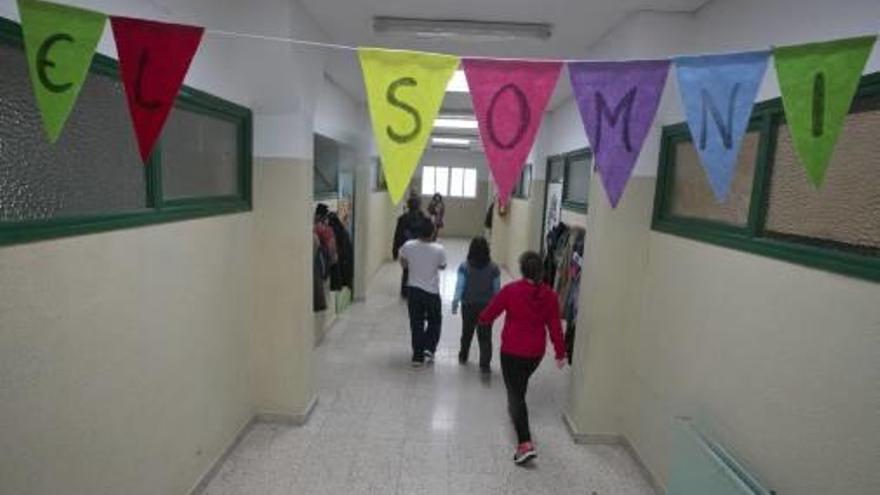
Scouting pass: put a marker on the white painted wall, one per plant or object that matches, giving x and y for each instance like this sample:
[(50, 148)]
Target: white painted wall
[(131, 358), (778, 359)]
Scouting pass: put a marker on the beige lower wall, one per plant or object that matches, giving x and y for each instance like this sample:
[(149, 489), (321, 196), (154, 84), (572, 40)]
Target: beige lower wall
[(130, 359), (465, 217), (511, 234), (124, 357), (780, 361), (381, 220), (282, 338)]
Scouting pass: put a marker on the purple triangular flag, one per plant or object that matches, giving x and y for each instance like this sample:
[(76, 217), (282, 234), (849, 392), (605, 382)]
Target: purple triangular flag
[(617, 102)]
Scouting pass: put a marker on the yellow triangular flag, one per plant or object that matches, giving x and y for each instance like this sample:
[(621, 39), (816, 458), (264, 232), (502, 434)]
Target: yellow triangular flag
[(404, 92)]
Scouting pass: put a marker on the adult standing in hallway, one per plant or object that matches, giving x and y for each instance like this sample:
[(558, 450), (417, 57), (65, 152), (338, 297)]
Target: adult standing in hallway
[(424, 258), (406, 230), (436, 210), (532, 311)]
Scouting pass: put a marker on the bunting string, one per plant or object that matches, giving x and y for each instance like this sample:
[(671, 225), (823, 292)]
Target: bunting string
[(617, 99)]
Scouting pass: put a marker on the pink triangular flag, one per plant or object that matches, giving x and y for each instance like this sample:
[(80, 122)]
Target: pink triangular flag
[(509, 98)]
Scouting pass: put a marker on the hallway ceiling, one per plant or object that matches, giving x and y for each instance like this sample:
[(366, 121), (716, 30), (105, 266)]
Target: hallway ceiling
[(577, 25)]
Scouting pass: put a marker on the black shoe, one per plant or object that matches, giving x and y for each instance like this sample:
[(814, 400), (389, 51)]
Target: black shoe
[(462, 359), (485, 369)]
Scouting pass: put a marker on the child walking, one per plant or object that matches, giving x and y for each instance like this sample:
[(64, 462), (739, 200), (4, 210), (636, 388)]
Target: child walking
[(479, 279), (532, 311), (423, 258)]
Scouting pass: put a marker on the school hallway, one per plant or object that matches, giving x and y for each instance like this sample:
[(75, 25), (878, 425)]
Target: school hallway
[(381, 427)]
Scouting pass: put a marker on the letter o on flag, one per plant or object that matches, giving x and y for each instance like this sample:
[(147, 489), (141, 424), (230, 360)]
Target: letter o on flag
[(525, 116)]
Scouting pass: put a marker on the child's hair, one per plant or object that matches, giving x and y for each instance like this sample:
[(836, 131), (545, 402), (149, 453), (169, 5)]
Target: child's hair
[(531, 266), (425, 228), (478, 253)]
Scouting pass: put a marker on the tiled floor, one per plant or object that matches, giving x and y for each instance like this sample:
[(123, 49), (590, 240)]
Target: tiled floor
[(383, 428)]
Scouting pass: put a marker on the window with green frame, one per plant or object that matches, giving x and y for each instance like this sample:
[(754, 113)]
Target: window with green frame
[(93, 178), (523, 189), (326, 168), (773, 210), (578, 166)]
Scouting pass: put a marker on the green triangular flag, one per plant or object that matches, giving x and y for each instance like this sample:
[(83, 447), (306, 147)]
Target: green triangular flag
[(818, 82), (60, 42)]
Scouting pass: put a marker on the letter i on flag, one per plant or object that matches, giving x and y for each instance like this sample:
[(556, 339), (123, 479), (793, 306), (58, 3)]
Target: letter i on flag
[(509, 98), (618, 102), (818, 82), (404, 93), (154, 58), (718, 93), (60, 42)]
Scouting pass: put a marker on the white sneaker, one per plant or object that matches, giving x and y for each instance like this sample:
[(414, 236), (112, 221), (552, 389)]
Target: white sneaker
[(429, 357), (417, 364)]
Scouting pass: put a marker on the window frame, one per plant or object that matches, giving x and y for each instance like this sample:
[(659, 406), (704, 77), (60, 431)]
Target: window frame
[(449, 169), (567, 159), (766, 118), (157, 209), (523, 188)]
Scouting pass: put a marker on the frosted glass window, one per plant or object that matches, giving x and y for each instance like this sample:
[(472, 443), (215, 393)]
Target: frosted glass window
[(470, 183), (428, 181), (199, 156), (846, 208), (441, 180), (94, 168), (456, 183), (692, 196)]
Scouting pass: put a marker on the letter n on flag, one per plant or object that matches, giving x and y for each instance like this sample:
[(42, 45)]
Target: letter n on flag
[(404, 93), (617, 103), (154, 58), (718, 92), (509, 98)]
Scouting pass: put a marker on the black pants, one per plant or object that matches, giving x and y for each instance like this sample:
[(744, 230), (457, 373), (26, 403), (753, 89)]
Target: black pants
[(424, 321), (403, 279), (470, 313), (517, 371)]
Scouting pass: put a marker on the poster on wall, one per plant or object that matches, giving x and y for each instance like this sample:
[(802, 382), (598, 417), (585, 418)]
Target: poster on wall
[(553, 210)]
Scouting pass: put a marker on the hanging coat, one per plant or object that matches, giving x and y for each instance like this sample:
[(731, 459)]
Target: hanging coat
[(343, 274)]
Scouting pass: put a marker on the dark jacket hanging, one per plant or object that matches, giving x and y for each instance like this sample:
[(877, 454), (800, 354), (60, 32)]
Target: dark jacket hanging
[(343, 274)]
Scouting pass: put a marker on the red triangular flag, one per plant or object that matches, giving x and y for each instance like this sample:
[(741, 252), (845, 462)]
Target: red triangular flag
[(509, 98), (153, 60)]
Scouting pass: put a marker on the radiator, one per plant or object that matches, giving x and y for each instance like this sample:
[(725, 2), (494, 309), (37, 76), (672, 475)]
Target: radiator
[(699, 466)]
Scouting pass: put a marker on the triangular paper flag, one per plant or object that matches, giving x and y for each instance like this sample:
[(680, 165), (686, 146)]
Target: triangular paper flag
[(818, 82), (617, 102), (60, 42), (404, 93), (509, 98), (153, 60), (718, 93)]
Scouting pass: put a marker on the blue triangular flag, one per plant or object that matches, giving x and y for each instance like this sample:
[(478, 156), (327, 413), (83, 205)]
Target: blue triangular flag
[(718, 92)]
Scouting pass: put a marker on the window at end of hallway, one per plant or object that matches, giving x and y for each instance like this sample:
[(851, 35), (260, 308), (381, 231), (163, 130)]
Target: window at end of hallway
[(773, 209), (455, 182)]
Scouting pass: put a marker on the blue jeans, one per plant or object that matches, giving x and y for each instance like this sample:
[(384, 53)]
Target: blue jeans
[(424, 321)]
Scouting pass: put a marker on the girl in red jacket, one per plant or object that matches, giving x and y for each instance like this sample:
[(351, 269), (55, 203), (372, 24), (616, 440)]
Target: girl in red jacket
[(532, 310)]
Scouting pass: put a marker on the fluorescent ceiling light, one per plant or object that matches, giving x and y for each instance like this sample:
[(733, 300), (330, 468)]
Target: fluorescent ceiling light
[(452, 28), (451, 141), (455, 123), (458, 83)]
